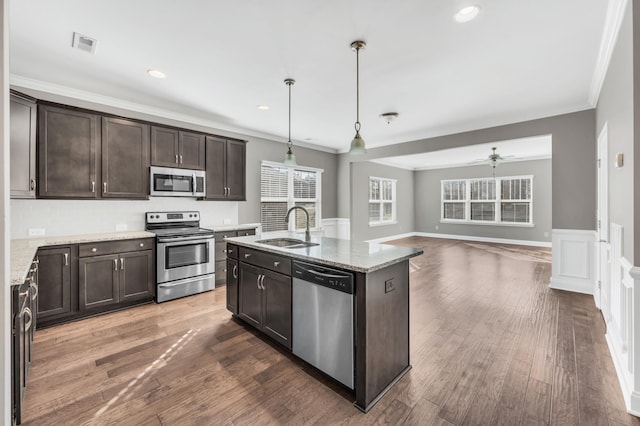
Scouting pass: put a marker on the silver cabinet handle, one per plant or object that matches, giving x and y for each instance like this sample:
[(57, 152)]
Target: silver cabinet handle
[(104, 187), (247, 255), (258, 281), (93, 250), (224, 236), (93, 186), (122, 263), (176, 158), (33, 184), (66, 259), (228, 191), (180, 158), (235, 271), (262, 281), (275, 264), (27, 311), (37, 261), (34, 286), (115, 264)]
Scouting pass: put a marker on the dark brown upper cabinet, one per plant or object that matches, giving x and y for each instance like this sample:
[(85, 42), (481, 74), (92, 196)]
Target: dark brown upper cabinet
[(226, 159), (125, 159), (23, 147), (177, 148), (68, 147)]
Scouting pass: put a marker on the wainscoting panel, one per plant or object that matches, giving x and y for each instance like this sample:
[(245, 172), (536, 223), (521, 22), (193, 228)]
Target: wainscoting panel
[(621, 312), (573, 260)]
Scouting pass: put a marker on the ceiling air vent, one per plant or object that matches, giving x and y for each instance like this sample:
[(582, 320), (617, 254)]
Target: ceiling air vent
[(84, 43)]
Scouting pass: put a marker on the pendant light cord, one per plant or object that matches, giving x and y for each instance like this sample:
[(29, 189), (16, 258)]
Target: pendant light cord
[(357, 125), (289, 142)]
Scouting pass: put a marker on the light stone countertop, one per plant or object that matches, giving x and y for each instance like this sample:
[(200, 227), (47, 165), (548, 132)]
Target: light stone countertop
[(24, 250), (358, 256), (238, 227)]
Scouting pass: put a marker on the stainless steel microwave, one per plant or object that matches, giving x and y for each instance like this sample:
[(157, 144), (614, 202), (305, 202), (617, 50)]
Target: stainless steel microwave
[(168, 182)]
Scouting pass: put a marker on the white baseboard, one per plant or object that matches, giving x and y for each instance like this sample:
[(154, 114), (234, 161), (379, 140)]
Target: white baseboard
[(573, 260), (484, 239)]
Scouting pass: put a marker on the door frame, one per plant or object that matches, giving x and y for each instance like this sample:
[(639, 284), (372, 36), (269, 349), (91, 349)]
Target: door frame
[(601, 290)]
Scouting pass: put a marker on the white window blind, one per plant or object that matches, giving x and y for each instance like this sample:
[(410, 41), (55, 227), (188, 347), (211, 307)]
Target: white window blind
[(382, 200), (283, 187), (488, 200)]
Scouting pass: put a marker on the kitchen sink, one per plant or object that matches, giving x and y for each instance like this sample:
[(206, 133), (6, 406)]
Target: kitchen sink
[(287, 243)]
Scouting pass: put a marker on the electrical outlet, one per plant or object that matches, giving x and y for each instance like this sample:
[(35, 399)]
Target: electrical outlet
[(121, 227), (437, 227), (36, 232), (388, 286), (546, 234)]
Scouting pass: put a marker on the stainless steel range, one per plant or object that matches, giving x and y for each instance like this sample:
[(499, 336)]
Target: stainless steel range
[(185, 263)]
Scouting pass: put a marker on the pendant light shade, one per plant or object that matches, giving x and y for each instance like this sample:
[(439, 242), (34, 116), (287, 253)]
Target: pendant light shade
[(357, 144), (290, 158)]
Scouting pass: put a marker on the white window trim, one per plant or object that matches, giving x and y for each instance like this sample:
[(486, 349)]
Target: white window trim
[(291, 201), (394, 218), (498, 201)]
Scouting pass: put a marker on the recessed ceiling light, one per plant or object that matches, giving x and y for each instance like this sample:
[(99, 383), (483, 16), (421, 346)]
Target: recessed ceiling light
[(467, 13), (156, 74), (263, 107)]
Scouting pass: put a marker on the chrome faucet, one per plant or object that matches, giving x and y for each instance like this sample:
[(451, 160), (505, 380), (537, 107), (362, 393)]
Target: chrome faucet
[(307, 235)]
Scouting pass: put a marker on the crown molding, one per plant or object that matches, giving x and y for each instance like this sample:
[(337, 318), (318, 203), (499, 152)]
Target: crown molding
[(69, 92), (612, 23)]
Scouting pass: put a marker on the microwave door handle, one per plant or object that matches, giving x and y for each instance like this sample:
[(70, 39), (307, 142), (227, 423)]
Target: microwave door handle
[(193, 181)]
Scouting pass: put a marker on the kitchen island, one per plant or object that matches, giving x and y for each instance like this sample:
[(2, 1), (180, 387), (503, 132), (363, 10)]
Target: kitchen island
[(260, 286)]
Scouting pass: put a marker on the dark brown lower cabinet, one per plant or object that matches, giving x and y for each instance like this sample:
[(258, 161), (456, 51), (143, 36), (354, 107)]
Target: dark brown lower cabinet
[(115, 278), (265, 301), (232, 285), (54, 282)]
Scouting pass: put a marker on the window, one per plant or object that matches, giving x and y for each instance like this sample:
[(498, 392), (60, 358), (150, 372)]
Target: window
[(506, 200), (382, 201), (283, 187)]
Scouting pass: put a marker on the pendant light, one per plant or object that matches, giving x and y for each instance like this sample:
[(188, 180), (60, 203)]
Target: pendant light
[(290, 158), (357, 144)]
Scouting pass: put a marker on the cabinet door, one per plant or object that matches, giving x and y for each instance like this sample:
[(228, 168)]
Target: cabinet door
[(23, 148), (98, 278), (235, 170), (125, 159), (232, 285), (250, 295), (164, 147), (54, 282), (192, 148), (136, 275), (216, 168), (277, 307), (68, 146)]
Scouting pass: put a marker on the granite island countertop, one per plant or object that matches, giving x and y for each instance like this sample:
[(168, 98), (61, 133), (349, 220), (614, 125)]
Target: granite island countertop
[(358, 256), (24, 250)]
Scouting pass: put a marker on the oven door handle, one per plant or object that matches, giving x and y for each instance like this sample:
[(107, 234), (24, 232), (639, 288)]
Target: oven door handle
[(185, 281), (180, 239)]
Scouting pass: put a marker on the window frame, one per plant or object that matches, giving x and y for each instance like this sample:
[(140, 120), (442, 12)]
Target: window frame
[(498, 201), (381, 202), (290, 199)]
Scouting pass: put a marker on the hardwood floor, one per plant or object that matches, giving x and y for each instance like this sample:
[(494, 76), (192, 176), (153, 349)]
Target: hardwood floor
[(490, 344)]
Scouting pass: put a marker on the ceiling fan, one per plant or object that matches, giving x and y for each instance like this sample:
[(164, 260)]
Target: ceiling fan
[(493, 159)]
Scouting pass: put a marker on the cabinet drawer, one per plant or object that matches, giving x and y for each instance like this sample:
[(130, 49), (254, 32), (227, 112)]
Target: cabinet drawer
[(266, 260), (220, 236), (112, 247), (245, 232), (232, 251)]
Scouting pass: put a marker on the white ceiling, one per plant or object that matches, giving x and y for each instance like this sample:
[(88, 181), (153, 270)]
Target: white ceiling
[(524, 149), (518, 60)]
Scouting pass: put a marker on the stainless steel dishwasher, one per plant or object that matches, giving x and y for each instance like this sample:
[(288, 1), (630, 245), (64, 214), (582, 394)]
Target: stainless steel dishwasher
[(323, 319)]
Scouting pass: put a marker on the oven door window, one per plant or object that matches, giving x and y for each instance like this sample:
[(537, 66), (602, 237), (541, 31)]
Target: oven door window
[(172, 183), (186, 255)]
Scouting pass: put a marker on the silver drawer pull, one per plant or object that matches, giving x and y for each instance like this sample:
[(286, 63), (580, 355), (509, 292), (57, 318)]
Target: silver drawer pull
[(93, 250), (276, 264), (246, 255), (141, 244)]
